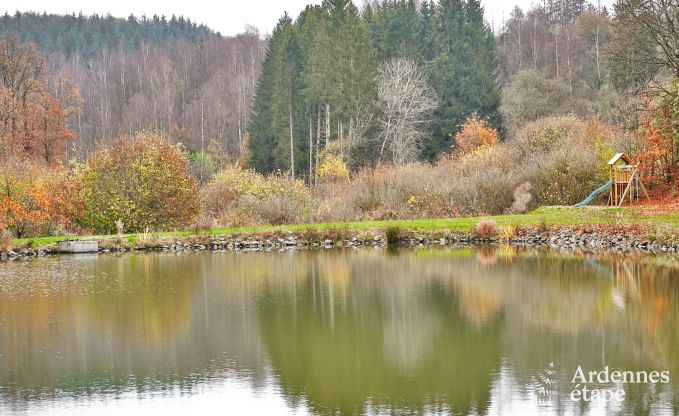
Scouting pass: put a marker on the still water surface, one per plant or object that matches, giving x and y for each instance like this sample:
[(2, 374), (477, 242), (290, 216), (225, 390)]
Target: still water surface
[(438, 331)]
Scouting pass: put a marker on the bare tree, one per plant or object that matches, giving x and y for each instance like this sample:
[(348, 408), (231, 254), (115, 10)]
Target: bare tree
[(645, 47), (407, 102)]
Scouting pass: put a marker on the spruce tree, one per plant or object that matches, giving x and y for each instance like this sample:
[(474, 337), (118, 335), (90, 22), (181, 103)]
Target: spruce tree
[(463, 73), (394, 29), (262, 141), (426, 33)]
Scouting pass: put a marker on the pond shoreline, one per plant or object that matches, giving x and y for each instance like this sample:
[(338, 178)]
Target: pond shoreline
[(582, 239)]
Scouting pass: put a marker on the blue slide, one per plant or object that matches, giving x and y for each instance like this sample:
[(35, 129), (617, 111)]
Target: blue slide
[(594, 194)]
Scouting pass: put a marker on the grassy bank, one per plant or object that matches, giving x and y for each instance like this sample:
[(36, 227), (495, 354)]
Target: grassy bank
[(566, 216)]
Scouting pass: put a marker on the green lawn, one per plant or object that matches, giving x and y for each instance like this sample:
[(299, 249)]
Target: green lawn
[(548, 215)]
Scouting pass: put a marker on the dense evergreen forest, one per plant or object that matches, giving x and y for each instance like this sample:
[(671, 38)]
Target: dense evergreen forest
[(88, 35), (329, 77)]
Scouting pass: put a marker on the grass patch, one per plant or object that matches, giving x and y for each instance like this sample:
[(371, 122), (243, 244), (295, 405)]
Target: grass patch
[(567, 216)]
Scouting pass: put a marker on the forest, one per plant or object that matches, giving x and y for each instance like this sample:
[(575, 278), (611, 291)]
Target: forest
[(396, 109)]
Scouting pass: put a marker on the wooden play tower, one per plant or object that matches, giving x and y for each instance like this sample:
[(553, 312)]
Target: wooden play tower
[(626, 181)]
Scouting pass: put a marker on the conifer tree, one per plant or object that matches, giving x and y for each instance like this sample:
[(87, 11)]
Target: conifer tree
[(463, 72), (262, 140)]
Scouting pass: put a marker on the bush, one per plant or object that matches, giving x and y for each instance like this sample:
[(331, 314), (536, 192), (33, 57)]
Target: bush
[(523, 199), (475, 135), (239, 196), (414, 190), (486, 229), (483, 182), (5, 241), (667, 233), (566, 175), (332, 168), (392, 234), (202, 166), (545, 134), (144, 181), (37, 201)]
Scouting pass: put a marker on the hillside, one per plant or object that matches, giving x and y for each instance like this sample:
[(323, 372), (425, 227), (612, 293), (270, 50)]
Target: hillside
[(88, 35)]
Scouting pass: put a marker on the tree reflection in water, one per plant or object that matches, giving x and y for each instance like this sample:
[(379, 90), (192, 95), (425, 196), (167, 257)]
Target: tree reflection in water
[(450, 330)]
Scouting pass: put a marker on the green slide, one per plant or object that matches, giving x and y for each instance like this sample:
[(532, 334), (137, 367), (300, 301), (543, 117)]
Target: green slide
[(594, 194)]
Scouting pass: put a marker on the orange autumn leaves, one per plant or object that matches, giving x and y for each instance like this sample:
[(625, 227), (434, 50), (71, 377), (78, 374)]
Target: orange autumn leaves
[(475, 136), (143, 181), (33, 119), (659, 154), (36, 200)]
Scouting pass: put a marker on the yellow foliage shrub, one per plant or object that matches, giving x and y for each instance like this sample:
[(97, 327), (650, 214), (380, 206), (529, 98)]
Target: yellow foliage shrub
[(238, 196), (332, 168)]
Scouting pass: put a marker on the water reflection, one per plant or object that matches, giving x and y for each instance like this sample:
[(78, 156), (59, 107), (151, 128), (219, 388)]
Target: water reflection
[(353, 331)]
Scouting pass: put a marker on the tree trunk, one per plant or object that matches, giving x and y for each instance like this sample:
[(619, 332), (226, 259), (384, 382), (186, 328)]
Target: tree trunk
[(318, 134), (596, 47), (327, 123), (292, 147), (311, 150), (202, 139), (556, 50)]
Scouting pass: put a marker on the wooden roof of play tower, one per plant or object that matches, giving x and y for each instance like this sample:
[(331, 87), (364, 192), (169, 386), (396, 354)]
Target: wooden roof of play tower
[(619, 156)]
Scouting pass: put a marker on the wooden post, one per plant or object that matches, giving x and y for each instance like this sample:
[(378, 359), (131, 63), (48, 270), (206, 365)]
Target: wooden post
[(627, 188)]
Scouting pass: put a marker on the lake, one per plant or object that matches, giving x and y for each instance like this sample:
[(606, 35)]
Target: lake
[(436, 331)]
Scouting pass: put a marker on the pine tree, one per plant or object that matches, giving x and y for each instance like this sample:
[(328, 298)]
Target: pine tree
[(394, 28), (342, 75), (278, 130), (262, 140), (463, 72), (426, 33)]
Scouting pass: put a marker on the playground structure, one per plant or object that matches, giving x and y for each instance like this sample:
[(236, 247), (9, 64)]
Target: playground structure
[(624, 183)]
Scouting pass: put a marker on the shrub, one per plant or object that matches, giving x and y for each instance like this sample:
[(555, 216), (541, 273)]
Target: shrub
[(202, 166), (36, 200), (392, 234), (566, 175), (475, 135), (227, 187), (332, 168), (486, 229), (522, 198), (5, 241), (483, 183), (508, 232), (143, 181), (667, 233), (239, 196), (414, 190), (202, 226), (545, 134)]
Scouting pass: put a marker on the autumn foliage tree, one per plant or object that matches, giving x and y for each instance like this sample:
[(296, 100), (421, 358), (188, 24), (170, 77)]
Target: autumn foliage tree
[(33, 121), (35, 200), (659, 153), (143, 181)]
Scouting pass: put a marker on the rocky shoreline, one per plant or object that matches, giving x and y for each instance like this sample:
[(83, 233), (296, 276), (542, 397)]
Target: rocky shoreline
[(557, 238)]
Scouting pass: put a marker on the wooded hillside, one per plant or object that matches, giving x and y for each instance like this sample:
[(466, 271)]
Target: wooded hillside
[(171, 76)]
